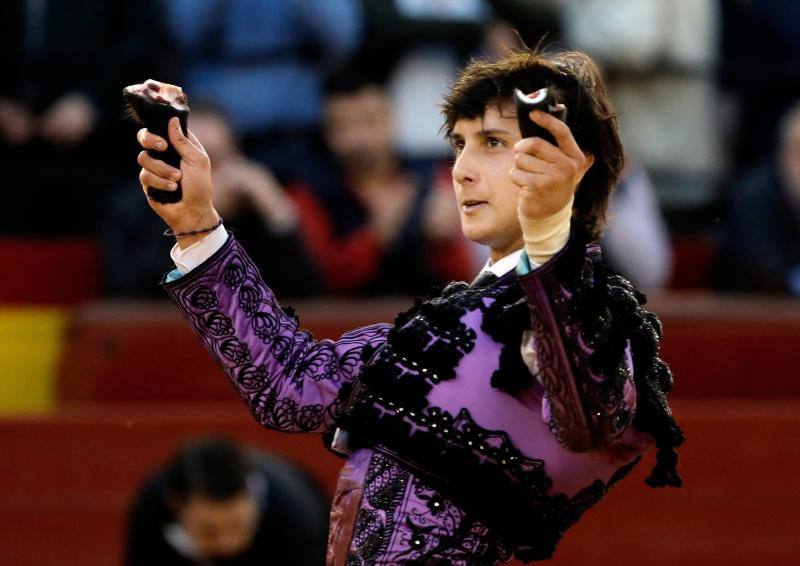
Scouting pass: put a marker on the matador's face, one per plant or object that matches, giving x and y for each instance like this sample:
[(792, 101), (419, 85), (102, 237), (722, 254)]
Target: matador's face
[(487, 198)]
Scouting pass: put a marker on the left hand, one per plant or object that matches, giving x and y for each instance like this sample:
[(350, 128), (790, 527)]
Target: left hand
[(68, 121), (547, 175)]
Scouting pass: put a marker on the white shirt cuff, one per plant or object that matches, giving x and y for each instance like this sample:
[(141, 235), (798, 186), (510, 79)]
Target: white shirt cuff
[(189, 258)]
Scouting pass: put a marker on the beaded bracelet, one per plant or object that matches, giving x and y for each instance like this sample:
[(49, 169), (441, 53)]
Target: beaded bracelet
[(169, 233)]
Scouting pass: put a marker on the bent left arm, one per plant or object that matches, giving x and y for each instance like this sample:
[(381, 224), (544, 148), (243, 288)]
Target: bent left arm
[(583, 354)]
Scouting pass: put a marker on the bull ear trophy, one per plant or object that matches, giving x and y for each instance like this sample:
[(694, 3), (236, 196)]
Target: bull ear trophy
[(544, 99), (153, 104)]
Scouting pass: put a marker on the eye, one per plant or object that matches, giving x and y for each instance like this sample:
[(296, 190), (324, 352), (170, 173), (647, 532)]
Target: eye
[(458, 146), (494, 143)]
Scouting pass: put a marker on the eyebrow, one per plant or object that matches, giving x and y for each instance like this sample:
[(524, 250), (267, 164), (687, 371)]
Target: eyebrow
[(494, 131), (483, 133)]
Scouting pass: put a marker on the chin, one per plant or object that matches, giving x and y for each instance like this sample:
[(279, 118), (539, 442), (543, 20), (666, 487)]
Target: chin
[(477, 234)]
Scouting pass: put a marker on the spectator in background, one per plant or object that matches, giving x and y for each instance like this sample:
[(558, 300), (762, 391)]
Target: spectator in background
[(533, 20), (381, 225), (64, 64), (760, 68), (658, 58), (262, 63), (636, 241), (218, 504), (761, 251), (248, 197), (419, 46)]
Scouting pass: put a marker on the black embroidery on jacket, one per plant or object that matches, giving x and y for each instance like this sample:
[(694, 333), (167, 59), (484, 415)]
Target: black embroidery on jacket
[(452, 537), (609, 310), (440, 534), (304, 359), (385, 485), (389, 399)]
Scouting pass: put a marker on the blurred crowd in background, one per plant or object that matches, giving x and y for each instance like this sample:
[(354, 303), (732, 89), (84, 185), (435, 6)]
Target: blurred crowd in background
[(322, 124)]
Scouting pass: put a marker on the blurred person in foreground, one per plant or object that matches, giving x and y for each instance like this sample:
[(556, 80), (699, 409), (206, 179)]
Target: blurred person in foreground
[(218, 504), (252, 201), (380, 224), (761, 248), (486, 419)]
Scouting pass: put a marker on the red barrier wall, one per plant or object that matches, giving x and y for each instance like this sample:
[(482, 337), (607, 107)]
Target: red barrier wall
[(123, 352), (50, 271), (67, 478)]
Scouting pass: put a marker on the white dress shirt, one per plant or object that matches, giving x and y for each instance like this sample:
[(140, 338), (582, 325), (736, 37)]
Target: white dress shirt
[(187, 259)]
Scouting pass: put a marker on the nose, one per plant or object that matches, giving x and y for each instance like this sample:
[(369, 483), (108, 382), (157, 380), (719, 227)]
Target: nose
[(464, 170)]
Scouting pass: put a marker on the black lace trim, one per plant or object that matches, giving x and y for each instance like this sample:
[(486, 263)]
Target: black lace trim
[(385, 485), (610, 311), (505, 323), (440, 534), (205, 307), (427, 342), (451, 536), (482, 472), (388, 401)]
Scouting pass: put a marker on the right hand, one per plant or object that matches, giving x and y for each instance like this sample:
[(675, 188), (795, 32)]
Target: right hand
[(195, 210)]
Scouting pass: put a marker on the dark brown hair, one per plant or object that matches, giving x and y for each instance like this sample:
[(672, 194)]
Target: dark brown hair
[(575, 77), (210, 467)]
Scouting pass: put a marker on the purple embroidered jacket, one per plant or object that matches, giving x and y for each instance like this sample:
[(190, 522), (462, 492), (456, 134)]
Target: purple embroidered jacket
[(459, 455)]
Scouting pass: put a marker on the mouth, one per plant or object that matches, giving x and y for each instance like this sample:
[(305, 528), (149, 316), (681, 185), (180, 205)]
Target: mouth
[(471, 205)]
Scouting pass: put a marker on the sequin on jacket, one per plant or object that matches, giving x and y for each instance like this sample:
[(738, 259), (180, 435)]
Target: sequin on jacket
[(458, 452)]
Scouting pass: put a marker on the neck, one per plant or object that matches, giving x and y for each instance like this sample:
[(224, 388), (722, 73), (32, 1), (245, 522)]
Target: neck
[(501, 252)]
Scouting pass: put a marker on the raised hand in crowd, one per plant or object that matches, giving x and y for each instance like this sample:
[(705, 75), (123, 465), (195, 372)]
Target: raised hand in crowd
[(241, 185), (68, 121)]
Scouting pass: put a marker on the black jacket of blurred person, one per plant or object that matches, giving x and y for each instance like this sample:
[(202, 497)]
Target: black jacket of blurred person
[(762, 241), (216, 505), (64, 65), (761, 250), (758, 65)]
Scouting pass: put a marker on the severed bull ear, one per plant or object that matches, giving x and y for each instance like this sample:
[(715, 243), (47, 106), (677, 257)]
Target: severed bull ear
[(153, 104), (544, 99)]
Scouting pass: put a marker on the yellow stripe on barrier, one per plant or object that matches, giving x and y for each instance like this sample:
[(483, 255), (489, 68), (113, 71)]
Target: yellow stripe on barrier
[(31, 341)]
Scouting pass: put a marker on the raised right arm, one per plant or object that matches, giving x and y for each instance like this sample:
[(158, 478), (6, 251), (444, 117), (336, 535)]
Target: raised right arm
[(288, 380)]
